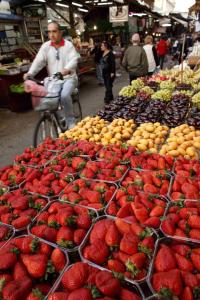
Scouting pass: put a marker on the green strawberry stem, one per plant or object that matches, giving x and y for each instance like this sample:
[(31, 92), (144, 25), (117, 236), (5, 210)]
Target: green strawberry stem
[(65, 244), (131, 267), (145, 250), (37, 293)]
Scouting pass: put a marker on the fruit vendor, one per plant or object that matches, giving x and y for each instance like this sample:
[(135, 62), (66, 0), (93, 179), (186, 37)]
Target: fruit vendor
[(58, 55)]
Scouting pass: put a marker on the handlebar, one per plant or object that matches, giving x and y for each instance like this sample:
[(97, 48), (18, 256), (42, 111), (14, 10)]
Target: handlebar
[(57, 75)]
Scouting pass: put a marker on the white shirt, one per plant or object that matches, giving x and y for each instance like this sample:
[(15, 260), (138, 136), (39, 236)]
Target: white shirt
[(55, 59), (150, 57)]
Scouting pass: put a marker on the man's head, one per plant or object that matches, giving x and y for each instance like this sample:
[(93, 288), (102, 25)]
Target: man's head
[(54, 32), (135, 38)]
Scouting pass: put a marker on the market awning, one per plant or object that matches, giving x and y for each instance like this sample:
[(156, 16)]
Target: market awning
[(184, 23)]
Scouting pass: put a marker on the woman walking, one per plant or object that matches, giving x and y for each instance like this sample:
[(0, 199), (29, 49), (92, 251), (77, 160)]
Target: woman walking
[(151, 54), (108, 70)]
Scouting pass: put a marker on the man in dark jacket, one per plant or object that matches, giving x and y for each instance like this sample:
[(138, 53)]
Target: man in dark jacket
[(135, 59), (97, 58)]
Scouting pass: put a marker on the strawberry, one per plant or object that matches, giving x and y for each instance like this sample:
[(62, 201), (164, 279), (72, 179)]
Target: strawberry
[(82, 293), (98, 231), (137, 259), (58, 259), (140, 212), (97, 252), (45, 232), (171, 280), (19, 271), (183, 263), (194, 234), (36, 264), (157, 211), (181, 249), (36, 294), (137, 229), (194, 221), (149, 188), (116, 266), (164, 260), (128, 295), (58, 296), (9, 259), (84, 221), (195, 258), (79, 235), (189, 279), (65, 237), (75, 277), (107, 285), (112, 236), (78, 163), (21, 222), (187, 294), (153, 222), (17, 289), (26, 244), (129, 244)]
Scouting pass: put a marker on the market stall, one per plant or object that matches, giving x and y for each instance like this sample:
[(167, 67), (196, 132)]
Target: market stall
[(119, 192)]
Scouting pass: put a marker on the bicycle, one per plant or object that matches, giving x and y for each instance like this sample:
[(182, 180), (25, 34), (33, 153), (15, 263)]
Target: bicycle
[(51, 124)]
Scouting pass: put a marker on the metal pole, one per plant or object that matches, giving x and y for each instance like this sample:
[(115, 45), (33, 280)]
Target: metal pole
[(182, 53)]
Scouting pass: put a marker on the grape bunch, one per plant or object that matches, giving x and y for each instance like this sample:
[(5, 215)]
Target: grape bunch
[(153, 112), (194, 117), (167, 84), (147, 90), (128, 91), (137, 84), (196, 100), (164, 95)]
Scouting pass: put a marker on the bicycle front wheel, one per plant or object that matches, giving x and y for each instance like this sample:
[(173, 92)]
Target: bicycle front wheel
[(46, 127)]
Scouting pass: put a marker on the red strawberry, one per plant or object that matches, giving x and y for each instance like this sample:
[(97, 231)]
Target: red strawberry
[(79, 235), (128, 295), (58, 259), (84, 221), (164, 260), (58, 296), (183, 263), (75, 277), (195, 234), (45, 232), (21, 222), (137, 259), (141, 213), (195, 260), (168, 227), (82, 293), (187, 294), (153, 222), (65, 237), (189, 279), (9, 259), (194, 221), (107, 285), (149, 188), (129, 244), (122, 226), (181, 249), (97, 252), (78, 163), (36, 264), (116, 266), (26, 244), (112, 236), (17, 289), (19, 271), (157, 211), (170, 280)]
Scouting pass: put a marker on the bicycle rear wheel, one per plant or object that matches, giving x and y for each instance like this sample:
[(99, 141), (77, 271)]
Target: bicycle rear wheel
[(46, 127), (77, 109)]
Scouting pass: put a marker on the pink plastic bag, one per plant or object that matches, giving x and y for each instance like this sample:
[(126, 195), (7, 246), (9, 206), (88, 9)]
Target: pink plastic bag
[(38, 91)]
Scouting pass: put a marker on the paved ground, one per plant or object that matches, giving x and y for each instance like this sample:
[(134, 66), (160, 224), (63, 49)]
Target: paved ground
[(16, 129)]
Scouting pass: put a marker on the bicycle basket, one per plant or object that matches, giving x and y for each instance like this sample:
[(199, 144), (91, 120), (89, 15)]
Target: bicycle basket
[(46, 103)]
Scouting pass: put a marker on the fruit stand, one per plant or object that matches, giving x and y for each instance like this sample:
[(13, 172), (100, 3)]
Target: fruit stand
[(110, 209)]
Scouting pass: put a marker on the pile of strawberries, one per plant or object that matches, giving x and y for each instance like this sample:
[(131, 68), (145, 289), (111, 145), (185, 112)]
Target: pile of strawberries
[(83, 281), (94, 194), (66, 163), (134, 206), (176, 270), (154, 182), (105, 170), (152, 162), (63, 224), (29, 268), (120, 247), (182, 219), (19, 207), (122, 153), (187, 168), (185, 188)]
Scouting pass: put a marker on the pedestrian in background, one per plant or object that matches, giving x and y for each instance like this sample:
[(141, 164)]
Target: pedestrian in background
[(97, 58), (151, 54), (162, 50), (108, 70), (135, 59)]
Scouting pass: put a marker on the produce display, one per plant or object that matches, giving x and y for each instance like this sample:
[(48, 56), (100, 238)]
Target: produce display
[(34, 157), (29, 268), (187, 168), (182, 219), (185, 188), (121, 247), (63, 224), (146, 209), (19, 207), (65, 163), (92, 284), (94, 194), (153, 182), (175, 272)]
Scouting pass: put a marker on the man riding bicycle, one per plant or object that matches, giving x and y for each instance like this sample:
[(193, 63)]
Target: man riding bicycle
[(59, 56)]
